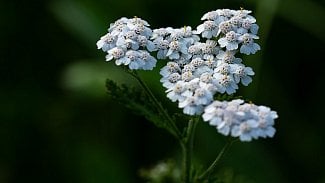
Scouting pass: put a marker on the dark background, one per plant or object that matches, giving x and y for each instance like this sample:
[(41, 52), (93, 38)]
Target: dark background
[(58, 125)]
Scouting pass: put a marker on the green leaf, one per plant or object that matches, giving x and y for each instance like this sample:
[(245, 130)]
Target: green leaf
[(137, 102)]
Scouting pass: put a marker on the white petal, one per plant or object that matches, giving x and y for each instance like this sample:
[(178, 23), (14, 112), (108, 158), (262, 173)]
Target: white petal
[(100, 44), (223, 42), (120, 41), (109, 57), (245, 138), (151, 46), (254, 29), (245, 49), (200, 29), (246, 80), (232, 46)]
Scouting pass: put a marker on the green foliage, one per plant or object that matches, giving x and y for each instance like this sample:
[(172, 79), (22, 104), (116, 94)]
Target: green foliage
[(137, 101)]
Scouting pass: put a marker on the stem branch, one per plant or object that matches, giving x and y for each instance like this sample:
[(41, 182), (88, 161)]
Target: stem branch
[(170, 121), (215, 162), (187, 147)]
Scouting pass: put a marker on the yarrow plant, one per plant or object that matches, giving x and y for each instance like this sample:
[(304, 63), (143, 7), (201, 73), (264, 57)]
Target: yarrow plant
[(201, 65)]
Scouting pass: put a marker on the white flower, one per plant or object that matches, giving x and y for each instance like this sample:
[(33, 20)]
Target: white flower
[(149, 61), (223, 68), (203, 96), (227, 13), (206, 77), (245, 130), (187, 76), (230, 41), (174, 43), (236, 22), (266, 121), (106, 42), (195, 49), (191, 86), (175, 92), (170, 81), (248, 46), (188, 68), (197, 62), (116, 53), (175, 49), (183, 60), (225, 27), (127, 41), (162, 46), (144, 42), (243, 120), (171, 67), (211, 62), (248, 24), (188, 35), (208, 29), (242, 73), (242, 13), (201, 70), (212, 15), (189, 106), (209, 47), (159, 33), (228, 57), (133, 59), (226, 83)]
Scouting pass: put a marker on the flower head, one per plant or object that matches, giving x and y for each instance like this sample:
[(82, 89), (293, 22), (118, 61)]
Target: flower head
[(239, 119), (197, 70), (128, 42)]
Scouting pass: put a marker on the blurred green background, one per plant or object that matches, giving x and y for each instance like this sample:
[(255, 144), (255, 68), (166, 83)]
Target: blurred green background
[(58, 125)]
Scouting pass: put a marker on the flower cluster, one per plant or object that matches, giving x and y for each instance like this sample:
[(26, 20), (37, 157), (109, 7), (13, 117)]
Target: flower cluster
[(173, 43), (239, 119), (127, 42), (232, 29), (194, 82), (198, 69)]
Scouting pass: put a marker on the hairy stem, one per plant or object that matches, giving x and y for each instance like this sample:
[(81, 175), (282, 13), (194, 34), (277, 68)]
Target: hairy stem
[(187, 147), (215, 162), (175, 131)]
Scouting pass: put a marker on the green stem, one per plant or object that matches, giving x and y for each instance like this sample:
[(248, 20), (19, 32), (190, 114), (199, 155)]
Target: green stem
[(187, 147), (215, 162), (171, 123)]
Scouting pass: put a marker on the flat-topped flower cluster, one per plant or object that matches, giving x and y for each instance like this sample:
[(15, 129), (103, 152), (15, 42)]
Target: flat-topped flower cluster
[(196, 70), (240, 119), (128, 42)]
